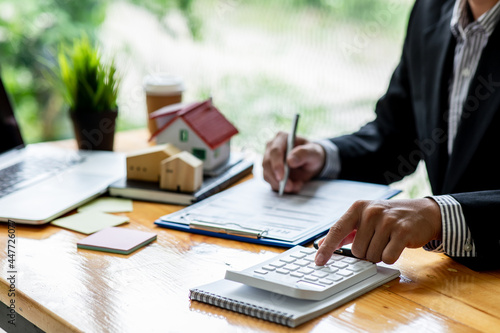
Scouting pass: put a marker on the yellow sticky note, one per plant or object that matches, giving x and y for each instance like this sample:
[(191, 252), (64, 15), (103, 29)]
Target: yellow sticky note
[(107, 205), (89, 222)]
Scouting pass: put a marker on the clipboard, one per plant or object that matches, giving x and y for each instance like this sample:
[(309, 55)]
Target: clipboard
[(251, 212), (255, 240)]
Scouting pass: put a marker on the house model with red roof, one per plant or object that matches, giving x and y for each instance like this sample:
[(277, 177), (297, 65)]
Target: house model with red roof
[(198, 128)]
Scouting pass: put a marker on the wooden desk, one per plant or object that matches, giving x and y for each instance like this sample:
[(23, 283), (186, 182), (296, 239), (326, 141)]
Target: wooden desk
[(63, 289)]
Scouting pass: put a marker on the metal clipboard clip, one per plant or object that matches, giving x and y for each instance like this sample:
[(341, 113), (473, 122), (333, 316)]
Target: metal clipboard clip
[(224, 228)]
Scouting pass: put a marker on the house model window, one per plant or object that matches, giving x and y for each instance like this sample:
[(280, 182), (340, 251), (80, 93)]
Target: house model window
[(200, 153), (184, 135)]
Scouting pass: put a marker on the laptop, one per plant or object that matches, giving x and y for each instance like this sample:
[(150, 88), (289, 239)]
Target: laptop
[(39, 182)]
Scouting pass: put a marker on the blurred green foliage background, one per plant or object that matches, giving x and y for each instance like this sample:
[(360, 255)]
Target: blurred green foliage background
[(31, 32), (261, 60)]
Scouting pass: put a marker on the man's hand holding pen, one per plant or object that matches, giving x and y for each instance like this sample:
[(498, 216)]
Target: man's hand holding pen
[(305, 160)]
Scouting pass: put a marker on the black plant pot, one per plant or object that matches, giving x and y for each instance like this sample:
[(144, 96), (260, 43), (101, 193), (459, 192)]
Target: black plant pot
[(94, 131)]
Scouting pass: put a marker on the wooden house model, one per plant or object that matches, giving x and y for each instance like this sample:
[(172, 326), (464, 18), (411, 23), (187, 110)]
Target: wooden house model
[(145, 164), (182, 173), (198, 128)]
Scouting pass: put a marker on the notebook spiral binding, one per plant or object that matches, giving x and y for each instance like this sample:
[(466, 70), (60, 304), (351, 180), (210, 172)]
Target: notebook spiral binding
[(279, 317)]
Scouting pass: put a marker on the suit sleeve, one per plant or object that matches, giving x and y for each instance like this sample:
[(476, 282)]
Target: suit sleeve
[(480, 210)]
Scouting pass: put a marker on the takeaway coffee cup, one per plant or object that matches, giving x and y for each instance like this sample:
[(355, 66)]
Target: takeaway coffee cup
[(161, 90)]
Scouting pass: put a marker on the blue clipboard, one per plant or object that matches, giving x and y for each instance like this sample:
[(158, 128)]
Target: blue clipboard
[(247, 234), (262, 240)]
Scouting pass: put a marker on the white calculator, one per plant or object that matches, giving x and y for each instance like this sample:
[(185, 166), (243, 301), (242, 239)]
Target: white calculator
[(293, 273)]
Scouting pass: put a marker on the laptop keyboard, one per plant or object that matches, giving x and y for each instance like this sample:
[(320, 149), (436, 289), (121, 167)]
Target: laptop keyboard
[(30, 171)]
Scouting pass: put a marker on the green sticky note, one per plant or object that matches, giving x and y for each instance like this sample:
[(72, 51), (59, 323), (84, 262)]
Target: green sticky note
[(89, 222), (107, 205)]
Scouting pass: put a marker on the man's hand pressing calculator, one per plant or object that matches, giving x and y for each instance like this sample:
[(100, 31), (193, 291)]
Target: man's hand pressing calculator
[(293, 273)]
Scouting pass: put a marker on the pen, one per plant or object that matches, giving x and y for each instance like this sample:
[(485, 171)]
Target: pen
[(316, 242), (289, 147), (344, 250)]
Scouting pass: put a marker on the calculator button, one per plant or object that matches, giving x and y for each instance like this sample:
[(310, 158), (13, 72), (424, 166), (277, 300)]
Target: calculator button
[(282, 271), (327, 282), (277, 264), (308, 251), (355, 268), (306, 270), (291, 267), (260, 271), (268, 268), (329, 269), (310, 278), (339, 265), (334, 278), (296, 274), (337, 257), (302, 263), (298, 255), (350, 260), (288, 260), (363, 263), (319, 274), (344, 273), (310, 257), (308, 285)]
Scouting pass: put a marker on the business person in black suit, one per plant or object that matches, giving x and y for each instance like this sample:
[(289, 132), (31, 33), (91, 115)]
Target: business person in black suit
[(442, 106)]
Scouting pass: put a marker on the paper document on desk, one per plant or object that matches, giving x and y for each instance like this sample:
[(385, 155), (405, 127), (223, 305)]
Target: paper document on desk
[(254, 206)]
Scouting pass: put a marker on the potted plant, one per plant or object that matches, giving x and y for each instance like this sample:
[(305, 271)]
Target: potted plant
[(89, 86)]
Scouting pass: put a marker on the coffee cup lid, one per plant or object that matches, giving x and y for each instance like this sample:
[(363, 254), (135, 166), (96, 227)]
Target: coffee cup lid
[(163, 84)]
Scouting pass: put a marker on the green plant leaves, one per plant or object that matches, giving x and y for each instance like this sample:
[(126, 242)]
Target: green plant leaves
[(89, 85)]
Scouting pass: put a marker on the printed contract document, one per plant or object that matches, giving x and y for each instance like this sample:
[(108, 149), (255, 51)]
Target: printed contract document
[(253, 207)]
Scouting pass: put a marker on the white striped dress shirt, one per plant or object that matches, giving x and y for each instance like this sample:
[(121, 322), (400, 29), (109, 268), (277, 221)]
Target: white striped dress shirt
[(471, 36)]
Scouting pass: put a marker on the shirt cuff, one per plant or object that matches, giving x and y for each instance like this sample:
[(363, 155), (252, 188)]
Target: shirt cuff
[(434, 246), (457, 238), (331, 169)]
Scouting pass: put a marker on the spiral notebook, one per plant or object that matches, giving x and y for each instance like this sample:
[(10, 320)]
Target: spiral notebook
[(281, 309)]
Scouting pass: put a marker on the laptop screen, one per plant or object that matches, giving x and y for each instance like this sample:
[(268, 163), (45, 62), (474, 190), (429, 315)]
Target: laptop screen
[(10, 136)]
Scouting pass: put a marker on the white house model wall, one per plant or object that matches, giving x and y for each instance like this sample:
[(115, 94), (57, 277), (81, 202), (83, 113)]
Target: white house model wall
[(183, 137)]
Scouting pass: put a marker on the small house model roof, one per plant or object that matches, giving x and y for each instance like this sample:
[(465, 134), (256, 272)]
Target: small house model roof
[(148, 151), (205, 120), (168, 110), (185, 157)]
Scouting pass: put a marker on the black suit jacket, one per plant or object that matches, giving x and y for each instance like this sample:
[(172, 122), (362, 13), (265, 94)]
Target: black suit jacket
[(411, 125)]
